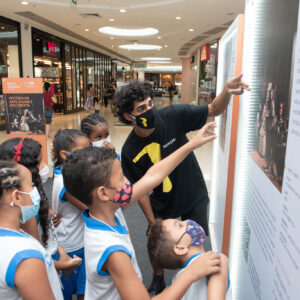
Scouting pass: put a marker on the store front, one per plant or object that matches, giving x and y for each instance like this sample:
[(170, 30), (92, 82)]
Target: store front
[(208, 72), (69, 68), (10, 57)]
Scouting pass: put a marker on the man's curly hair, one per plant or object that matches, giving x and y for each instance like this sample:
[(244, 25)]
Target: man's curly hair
[(128, 94)]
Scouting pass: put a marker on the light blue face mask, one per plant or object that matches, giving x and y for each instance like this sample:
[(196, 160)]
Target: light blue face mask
[(31, 211)]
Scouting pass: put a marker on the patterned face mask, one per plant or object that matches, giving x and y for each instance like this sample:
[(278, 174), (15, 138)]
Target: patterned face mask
[(123, 195), (195, 231)]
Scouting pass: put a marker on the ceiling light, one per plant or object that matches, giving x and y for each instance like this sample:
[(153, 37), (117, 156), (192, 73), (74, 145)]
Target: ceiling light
[(123, 10), (191, 29), (159, 37), (112, 46), (155, 58), (111, 20), (140, 47), (112, 38), (159, 62), (166, 46), (86, 29), (128, 32), (24, 3), (178, 18)]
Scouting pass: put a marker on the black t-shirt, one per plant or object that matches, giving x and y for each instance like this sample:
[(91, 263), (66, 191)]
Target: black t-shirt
[(185, 186)]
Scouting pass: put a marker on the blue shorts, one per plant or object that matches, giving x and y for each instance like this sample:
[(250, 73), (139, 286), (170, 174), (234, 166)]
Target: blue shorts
[(75, 283)]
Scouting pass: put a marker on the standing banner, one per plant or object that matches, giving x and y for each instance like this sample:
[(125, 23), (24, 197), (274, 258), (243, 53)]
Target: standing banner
[(229, 65), (265, 227), (24, 109)]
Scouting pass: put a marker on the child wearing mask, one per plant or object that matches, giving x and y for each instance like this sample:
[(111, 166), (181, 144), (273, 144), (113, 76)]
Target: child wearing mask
[(70, 229), (28, 153), (96, 129), (94, 176), (27, 270), (174, 244)]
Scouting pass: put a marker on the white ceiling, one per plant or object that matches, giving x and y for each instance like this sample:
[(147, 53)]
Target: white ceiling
[(201, 15)]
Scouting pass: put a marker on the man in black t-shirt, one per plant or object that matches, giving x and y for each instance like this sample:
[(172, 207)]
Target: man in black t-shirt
[(155, 135)]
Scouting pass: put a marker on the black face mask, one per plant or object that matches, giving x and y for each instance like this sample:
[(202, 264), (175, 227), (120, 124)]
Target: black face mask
[(146, 120)]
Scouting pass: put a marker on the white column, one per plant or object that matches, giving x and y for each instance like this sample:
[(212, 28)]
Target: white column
[(13, 61), (141, 75), (26, 46)]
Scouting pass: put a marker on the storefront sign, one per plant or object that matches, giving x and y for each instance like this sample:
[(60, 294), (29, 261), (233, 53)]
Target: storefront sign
[(24, 109), (51, 49), (205, 52), (141, 65)]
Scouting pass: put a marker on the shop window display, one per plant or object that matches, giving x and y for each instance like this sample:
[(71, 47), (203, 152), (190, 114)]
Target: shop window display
[(9, 58)]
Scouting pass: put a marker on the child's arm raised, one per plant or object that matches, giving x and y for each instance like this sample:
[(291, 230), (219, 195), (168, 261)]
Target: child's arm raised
[(157, 173), (130, 287), (218, 282), (32, 281)]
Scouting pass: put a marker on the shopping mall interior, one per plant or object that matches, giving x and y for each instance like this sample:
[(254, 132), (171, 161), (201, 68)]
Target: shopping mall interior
[(153, 73)]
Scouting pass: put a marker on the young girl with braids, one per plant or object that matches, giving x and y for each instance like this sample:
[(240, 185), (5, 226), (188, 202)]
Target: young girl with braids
[(70, 230), (28, 153), (27, 270), (96, 129)]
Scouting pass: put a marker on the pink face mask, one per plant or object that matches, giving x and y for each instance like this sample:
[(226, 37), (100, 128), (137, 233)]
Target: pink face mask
[(123, 195)]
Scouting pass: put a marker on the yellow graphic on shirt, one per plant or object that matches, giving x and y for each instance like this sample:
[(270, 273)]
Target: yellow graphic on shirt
[(153, 151), (144, 121)]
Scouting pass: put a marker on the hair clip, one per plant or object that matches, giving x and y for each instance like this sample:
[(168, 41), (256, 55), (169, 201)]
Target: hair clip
[(18, 149)]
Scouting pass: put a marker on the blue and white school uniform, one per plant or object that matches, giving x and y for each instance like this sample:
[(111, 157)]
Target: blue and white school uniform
[(101, 240), (70, 235), (70, 230), (198, 289), (15, 247)]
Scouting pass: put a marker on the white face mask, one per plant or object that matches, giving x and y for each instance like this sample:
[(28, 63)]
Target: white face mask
[(100, 143), (44, 174)]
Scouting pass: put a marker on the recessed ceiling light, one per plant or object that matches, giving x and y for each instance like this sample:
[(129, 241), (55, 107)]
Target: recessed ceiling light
[(191, 29), (159, 37), (86, 29), (140, 47), (112, 46), (178, 18), (24, 3), (123, 10), (166, 46), (127, 31), (2, 27), (155, 58), (112, 38), (111, 20)]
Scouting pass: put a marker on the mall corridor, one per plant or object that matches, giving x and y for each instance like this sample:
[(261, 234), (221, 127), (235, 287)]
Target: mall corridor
[(202, 105)]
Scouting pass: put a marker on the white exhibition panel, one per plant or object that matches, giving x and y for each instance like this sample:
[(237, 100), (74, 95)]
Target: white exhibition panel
[(226, 70), (265, 240)]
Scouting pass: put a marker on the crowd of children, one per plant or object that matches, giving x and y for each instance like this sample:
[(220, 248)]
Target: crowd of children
[(78, 242)]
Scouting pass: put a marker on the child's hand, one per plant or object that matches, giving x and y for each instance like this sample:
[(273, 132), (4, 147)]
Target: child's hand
[(205, 264), (107, 144), (69, 264), (204, 135), (56, 219)]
